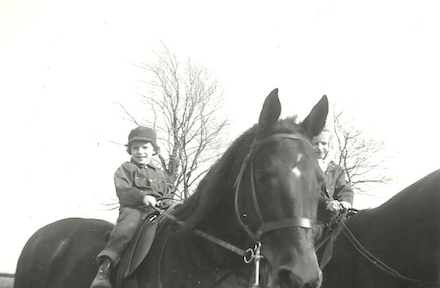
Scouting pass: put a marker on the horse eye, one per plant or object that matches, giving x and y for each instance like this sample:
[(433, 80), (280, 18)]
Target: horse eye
[(262, 178)]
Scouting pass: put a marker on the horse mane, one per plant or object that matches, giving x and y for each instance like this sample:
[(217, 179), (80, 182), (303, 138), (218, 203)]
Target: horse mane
[(217, 182)]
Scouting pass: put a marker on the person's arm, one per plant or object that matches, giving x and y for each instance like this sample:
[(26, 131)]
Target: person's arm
[(157, 191), (166, 193), (343, 191), (323, 202), (128, 194)]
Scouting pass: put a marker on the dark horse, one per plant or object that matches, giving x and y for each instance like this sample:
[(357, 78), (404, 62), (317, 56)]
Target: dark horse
[(398, 242), (261, 194)]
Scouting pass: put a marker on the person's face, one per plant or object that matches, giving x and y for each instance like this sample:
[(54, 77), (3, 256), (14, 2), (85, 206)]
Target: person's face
[(321, 144), (141, 152)]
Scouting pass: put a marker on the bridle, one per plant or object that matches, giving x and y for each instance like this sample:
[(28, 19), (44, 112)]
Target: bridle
[(291, 222), (253, 253)]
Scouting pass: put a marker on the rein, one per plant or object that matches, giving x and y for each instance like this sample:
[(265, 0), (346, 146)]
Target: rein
[(220, 242), (248, 255), (377, 262)]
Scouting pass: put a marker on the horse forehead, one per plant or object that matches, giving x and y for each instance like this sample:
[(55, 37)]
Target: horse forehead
[(300, 159), (296, 152), (299, 148), (297, 170)]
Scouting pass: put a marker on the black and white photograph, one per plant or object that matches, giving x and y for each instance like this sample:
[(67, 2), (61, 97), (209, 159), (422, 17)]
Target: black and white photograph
[(178, 144)]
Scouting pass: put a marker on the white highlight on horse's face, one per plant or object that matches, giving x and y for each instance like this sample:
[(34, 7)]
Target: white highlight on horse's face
[(296, 170)]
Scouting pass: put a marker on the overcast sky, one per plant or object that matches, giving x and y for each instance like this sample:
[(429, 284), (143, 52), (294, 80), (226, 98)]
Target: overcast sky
[(63, 64)]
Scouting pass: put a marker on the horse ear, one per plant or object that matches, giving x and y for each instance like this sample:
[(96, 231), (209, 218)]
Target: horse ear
[(315, 121), (271, 110)]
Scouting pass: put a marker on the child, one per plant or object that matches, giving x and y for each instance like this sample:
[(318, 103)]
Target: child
[(138, 185)]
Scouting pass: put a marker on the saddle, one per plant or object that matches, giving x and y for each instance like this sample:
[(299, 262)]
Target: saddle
[(140, 245), (324, 248)]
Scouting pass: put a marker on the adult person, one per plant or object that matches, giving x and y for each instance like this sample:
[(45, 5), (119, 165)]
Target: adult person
[(138, 185), (336, 193)]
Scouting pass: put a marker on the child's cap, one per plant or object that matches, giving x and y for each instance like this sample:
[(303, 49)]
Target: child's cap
[(142, 133)]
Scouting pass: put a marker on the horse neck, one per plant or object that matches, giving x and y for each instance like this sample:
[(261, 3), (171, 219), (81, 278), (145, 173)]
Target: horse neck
[(222, 224), (212, 211)]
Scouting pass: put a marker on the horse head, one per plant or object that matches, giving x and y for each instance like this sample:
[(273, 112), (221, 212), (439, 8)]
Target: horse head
[(262, 191), (277, 193)]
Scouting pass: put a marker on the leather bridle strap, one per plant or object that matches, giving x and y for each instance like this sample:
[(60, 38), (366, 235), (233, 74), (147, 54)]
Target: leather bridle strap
[(281, 136), (217, 241), (300, 222)]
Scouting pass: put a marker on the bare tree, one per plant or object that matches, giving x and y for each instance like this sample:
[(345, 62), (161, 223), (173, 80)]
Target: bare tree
[(363, 158), (183, 103)]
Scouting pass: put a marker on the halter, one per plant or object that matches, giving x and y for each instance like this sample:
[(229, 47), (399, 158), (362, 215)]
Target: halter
[(291, 222)]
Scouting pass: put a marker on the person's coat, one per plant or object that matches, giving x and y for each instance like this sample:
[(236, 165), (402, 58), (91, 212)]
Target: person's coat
[(336, 187)]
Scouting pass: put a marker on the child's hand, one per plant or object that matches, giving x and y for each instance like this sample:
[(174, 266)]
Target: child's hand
[(334, 205), (150, 200), (345, 205)]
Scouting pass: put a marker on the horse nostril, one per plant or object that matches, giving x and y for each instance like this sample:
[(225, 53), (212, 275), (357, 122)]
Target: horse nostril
[(319, 279), (313, 284), (316, 283), (287, 278)]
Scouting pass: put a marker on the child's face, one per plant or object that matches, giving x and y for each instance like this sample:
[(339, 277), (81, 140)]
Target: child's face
[(321, 144), (141, 152)]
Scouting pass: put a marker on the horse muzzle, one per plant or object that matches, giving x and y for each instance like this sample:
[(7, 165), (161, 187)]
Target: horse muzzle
[(286, 277), (296, 268)]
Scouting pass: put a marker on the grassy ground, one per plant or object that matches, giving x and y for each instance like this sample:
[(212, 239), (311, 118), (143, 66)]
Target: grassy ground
[(6, 281)]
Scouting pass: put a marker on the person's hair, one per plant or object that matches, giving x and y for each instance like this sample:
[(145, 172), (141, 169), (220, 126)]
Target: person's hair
[(155, 146), (326, 130)]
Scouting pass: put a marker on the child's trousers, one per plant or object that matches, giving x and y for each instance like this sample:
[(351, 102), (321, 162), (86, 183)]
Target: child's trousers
[(126, 226)]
